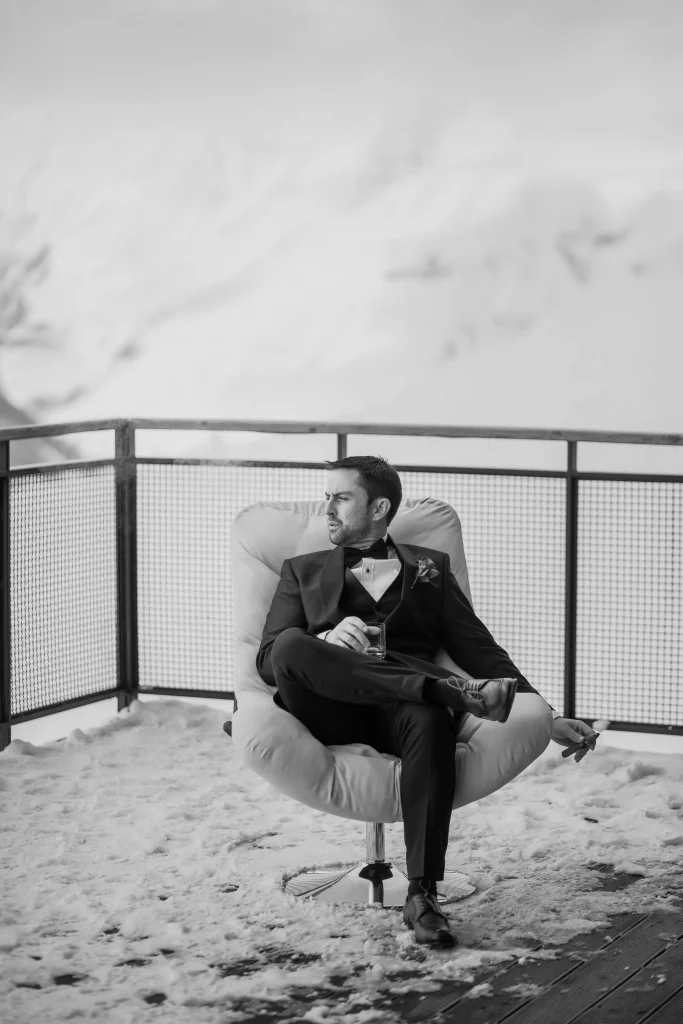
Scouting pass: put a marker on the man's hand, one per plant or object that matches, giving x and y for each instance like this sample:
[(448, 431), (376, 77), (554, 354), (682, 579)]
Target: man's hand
[(349, 633), (574, 734)]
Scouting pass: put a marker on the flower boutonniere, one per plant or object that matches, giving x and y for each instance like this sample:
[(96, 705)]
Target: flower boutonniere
[(426, 571)]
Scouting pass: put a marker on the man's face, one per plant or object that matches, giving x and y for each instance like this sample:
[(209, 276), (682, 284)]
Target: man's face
[(349, 518)]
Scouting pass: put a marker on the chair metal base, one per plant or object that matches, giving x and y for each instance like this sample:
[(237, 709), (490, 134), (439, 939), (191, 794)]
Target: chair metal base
[(377, 884), (356, 884)]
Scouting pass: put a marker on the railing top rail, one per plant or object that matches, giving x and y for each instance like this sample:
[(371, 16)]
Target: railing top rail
[(58, 429), (303, 427)]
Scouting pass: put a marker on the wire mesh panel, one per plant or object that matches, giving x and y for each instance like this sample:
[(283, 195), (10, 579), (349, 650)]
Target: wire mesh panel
[(514, 538), (630, 601), (185, 611), (514, 542), (63, 585), (64, 578)]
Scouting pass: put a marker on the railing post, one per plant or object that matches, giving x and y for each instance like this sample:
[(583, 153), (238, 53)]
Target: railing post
[(5, 607), (341, 446), (571, 582), (126, 562)]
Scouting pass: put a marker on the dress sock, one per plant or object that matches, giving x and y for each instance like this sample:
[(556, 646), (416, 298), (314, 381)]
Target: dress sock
[(416, 885)]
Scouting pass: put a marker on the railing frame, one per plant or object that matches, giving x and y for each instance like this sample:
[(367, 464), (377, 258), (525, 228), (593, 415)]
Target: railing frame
[(571, 580), (127, 564), (5, 608), (126, 462)]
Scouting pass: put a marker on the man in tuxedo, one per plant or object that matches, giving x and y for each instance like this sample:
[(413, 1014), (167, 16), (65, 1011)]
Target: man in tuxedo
[(313, 648)]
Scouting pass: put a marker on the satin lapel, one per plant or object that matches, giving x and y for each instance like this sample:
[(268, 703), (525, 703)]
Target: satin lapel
[(332, 584), (409, 562)]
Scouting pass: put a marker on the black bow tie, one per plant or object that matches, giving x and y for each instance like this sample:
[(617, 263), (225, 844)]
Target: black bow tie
[(354, 555)]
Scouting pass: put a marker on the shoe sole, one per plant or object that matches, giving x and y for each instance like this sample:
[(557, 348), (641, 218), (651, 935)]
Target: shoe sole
[(448, 940), (509, 701), (507, 707)]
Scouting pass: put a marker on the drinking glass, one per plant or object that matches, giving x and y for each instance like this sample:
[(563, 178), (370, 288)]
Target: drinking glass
[(377, 636)]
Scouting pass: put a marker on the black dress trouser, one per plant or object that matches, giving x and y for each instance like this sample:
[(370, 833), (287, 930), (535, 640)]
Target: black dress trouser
[(344, 696)]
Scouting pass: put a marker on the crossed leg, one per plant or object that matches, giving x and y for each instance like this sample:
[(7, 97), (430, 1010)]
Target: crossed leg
[(343, 696)]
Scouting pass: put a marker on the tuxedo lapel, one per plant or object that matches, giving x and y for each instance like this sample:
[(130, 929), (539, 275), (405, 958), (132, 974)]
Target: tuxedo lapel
[(409, 564), (332, 584)]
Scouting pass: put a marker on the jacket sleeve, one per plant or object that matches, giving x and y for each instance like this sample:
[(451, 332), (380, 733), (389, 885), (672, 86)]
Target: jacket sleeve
[(468, 641), (286, 611)]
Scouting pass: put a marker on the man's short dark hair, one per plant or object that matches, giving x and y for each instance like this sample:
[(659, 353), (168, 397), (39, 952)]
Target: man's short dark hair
[(377, 478)]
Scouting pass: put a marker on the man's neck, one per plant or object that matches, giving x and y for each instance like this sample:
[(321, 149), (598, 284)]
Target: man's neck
[(369, 541)]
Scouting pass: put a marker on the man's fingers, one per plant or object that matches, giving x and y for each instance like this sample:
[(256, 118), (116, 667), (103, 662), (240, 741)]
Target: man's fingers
[(352, 633), (358, 635), (351, 643), (354, 639), (581, 747), (589, 736)]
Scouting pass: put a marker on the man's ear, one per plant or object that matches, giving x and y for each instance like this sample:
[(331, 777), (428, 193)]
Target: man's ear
[(382, 508)]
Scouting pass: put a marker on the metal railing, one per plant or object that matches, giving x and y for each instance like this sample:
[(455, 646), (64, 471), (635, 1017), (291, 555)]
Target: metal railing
[(114, 573)]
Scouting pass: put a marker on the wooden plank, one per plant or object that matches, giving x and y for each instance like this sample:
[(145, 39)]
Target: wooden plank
[(56, 429), (509, 981), (409, 430), (671, 1012), (642, 993), (613, 965), (375, 429)]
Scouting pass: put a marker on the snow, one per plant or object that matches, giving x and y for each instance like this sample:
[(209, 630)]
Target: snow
[(121, 847)]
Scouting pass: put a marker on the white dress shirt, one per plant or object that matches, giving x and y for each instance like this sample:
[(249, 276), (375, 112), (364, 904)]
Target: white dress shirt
[(376, 574)]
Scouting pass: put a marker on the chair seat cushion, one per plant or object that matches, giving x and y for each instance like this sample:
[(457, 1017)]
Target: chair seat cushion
[(356, 781)]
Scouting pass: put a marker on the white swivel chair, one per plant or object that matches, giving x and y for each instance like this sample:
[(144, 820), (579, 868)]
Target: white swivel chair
[(353, 780)]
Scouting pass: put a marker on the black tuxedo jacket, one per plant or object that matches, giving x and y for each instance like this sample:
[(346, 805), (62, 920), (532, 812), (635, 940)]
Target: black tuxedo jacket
[(430, 615)]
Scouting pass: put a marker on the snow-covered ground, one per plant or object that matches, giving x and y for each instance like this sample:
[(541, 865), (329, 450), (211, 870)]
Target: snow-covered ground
[(121, 847)]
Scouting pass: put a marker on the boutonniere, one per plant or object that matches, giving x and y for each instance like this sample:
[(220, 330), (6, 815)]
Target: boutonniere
[(426, 571)]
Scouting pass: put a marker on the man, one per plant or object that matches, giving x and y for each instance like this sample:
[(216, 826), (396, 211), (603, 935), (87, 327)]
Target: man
[(313, 652)]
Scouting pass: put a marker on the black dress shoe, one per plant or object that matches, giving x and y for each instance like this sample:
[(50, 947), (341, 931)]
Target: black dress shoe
[(422, 914), (491, 699)]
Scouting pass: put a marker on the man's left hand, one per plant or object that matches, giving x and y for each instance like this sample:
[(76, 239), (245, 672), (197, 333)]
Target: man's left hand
[(569, 731)]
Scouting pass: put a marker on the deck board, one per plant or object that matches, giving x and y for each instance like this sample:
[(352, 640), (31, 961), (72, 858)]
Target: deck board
[(631, 972)]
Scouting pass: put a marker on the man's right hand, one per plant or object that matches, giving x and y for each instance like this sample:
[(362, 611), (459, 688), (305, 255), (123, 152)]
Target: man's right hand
[(349, 633)]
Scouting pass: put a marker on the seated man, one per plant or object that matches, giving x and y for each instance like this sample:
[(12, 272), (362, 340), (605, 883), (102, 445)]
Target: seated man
[(313, 652)]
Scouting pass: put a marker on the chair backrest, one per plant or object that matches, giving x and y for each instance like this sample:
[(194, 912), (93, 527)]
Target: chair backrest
[(267, 533)]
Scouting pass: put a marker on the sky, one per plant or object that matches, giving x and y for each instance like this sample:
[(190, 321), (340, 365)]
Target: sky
[(248, 203)]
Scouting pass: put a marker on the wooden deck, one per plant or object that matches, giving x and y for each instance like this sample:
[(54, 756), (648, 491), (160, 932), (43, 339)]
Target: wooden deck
[(629, 973)]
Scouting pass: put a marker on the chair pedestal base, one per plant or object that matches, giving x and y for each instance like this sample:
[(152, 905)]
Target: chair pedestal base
[(375, 884)]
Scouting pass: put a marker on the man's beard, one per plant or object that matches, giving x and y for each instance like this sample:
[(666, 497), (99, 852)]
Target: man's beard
[(347, 536)]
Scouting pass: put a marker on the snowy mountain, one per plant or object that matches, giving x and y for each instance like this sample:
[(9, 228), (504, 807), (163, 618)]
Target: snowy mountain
[(472, 214)]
